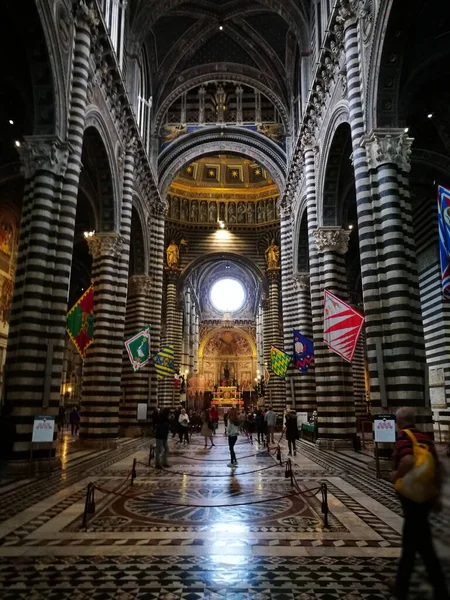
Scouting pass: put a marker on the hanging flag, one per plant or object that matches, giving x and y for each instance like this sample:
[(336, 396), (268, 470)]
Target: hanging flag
[(342, 326), (303, 352), (164, 361), (279, 361), (444, 238), (80, 322), (266, 375), (138, 348)]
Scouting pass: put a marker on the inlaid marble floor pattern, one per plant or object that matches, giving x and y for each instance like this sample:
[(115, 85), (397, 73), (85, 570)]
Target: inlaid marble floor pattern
[(200, 531)]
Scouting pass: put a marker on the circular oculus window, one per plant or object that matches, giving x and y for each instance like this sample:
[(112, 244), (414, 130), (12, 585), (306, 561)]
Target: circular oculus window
[(227, 295)]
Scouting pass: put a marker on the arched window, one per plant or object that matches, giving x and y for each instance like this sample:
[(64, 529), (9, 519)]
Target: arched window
[(114, 15), (144, 100)]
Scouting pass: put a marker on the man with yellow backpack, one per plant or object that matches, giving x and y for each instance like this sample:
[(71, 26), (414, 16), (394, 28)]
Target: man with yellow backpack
[(416, 477)]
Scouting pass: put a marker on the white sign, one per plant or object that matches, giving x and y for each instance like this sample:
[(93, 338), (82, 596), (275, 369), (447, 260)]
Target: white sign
[(384, 428), (43, 429), (302, 417), (141, 412)]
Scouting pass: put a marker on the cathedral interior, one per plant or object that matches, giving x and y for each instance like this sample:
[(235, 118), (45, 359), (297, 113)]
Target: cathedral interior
[(203, 173)]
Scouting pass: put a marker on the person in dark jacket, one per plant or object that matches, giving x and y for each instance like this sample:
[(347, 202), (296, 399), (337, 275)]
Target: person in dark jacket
[(291, 431), (260, 426), (74, 419), (161, 434)]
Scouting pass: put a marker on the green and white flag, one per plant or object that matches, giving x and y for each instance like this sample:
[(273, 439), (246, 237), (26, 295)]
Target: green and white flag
[(138, 348)]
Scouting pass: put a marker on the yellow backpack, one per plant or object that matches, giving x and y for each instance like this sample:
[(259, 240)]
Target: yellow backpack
[(419, 484)]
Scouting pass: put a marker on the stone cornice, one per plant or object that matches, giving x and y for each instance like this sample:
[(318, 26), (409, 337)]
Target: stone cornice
[(332, 239)]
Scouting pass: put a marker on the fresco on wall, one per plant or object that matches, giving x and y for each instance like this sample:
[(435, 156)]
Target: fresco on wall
[(227, 343)]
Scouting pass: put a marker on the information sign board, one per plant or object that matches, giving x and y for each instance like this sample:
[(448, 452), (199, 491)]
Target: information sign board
[(384, 428), (43, 429), (302, 417), (141, 412)]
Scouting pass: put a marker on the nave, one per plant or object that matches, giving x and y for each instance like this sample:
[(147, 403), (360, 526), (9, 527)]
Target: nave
[(175, 534)]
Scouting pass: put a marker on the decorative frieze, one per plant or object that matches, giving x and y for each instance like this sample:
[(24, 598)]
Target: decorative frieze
[(384, 146), (332, 239), (43, 153)]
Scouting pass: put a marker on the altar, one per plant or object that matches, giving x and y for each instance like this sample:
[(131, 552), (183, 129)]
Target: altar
[(226, 397)]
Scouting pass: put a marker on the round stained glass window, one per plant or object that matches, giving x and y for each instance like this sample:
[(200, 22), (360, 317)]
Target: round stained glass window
[(227, 295)]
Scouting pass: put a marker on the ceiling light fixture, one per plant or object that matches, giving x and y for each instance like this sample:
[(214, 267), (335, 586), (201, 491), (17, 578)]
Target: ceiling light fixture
[(17, 144), (430, 115), (350, 226), (11, 122), (220, 27)]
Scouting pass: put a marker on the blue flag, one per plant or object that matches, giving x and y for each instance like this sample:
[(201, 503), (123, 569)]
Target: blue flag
[(303, 352), (444, 238)]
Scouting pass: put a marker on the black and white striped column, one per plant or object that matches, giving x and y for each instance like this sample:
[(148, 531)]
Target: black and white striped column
[(35, 349), (168, 395), (334, 386), (135, 386), (276, 389), (156, 272), (103, 362), (402, 335)]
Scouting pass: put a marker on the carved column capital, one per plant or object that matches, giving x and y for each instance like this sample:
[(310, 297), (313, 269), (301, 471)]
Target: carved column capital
[(332, 239), (140, 285), (348, 11), (172, 275), (265, 302), (105, 245), (301, 281), (388, 146), (43, 152), (273, 275), (86, 12)]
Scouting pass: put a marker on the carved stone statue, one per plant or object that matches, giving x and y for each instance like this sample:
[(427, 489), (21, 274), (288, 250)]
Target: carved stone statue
[(273, 256), (172, 255)]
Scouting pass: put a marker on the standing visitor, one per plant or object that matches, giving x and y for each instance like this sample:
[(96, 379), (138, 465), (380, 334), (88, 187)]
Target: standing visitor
[(416, 527), (225, 421), (291, 431), (271, 421), (162, 427), (259, 422), (250, 426), (207, 428), (74, 420), (233, 432), (183, 423), (61, 418), (214, 415)]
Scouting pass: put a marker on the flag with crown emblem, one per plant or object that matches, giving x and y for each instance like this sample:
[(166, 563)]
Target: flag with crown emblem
[(342, 326), (80, 322), (303, 352), (279, 361), (138, 348)]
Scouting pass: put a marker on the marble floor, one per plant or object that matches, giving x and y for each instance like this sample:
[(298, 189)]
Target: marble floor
[(201, 531)]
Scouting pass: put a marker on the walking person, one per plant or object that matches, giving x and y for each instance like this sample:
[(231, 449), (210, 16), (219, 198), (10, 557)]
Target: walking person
[(250, 426), (183, 424), (214, 416), (233, 432), (74, 420), (162, 428), (207, 428), (416, 537), (61, 418), (291, 431), (271, 421)]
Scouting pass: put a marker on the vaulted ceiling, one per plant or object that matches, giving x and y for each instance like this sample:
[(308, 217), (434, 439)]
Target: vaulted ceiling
[(257, 41)]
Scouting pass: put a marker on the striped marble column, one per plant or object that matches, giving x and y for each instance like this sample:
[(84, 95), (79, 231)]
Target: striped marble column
[(156, 261), (168, 395), (276, 388), (135, 386), (315, 291), (402, 341), (334, 387), (35, 349), (103, 362), (359, 384)]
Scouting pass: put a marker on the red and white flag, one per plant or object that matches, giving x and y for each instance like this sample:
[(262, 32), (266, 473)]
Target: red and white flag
[(342, 326)]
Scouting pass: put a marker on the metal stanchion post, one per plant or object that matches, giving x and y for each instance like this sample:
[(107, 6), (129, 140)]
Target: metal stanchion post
[(89, 505), (324, 490), (279, 454), (133, 472)]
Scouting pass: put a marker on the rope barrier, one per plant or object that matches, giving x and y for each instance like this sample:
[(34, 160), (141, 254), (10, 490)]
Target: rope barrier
[(172, 471)]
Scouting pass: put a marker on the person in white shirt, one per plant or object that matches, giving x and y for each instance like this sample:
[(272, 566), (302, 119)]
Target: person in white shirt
[(183, 426)]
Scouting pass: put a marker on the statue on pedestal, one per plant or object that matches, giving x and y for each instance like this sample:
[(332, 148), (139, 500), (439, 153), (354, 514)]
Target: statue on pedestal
[(172, 255), (273, 256)]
